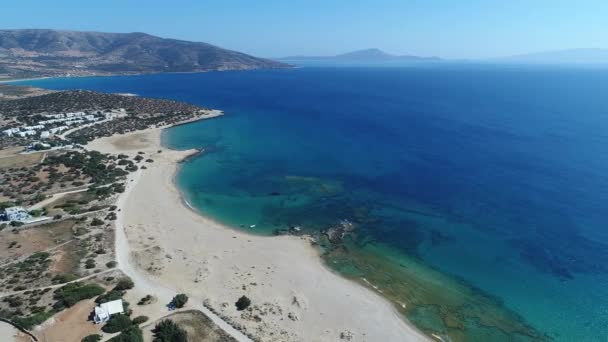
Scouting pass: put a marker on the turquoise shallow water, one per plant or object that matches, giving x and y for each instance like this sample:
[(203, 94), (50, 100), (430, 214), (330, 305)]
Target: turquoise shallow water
[(479, 193)]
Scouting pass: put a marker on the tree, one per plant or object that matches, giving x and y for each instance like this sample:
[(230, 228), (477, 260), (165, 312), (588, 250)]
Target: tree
[(243, 303), (140, 319), (109, 296), (72, 293), (116, 323), (96, 222), (169, 331), (92, 338), (90, 263), (180, 300), (124, 284), (131, 334)]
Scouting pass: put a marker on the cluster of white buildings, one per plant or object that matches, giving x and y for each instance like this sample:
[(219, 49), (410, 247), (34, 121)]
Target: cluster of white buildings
[(59, 123)]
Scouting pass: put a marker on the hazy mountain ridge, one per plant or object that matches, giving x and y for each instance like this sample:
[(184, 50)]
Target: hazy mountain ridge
[(566, 56), (51, 52), (366, 55)]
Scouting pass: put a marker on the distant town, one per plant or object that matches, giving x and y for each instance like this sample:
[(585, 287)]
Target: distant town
[(55, 124)]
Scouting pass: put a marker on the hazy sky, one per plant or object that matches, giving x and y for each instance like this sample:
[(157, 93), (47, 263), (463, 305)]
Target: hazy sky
[(276, 28)]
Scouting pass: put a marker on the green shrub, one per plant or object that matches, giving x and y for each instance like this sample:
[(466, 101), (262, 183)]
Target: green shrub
[(124, 284), (180, 300), (116, 323), (92, 338), (90, 263), (64, 278), (145, 300), (243, 303), (140, 319), (96, 222), (31, 321), (72, 293), (109, 296), (168, 331), (111, 264), (132, 334)]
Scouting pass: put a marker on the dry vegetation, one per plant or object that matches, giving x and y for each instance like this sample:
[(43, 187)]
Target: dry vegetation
[(64, 171), (198, 326), (12, 160), (24, 242)]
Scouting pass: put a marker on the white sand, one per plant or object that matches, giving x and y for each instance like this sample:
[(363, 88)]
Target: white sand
[(167, 247), (8, 333)]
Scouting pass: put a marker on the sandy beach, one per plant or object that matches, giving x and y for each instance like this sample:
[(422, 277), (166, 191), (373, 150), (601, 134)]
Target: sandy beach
[(8, 333), (170, 248)]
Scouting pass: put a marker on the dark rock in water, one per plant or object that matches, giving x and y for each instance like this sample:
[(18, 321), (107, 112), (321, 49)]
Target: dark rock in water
[(336, 234), (275, 193)]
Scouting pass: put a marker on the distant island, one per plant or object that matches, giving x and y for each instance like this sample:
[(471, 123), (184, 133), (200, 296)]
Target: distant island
[(361, 56), (568, 56), (38, 53)]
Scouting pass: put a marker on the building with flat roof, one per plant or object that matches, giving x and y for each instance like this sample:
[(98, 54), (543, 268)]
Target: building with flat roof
[(24, 134), (16, 214), (105, 310)]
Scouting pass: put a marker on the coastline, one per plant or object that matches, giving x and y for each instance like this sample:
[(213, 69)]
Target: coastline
[(297, 295), (24, 79)]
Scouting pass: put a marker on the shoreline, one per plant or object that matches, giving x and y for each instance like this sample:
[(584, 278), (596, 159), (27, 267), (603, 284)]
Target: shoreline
[(24, 79), (315, 302), (288, 66)]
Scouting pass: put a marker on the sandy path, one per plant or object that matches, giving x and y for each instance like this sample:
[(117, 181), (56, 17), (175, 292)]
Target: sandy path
[(167, 248), (52, 198)]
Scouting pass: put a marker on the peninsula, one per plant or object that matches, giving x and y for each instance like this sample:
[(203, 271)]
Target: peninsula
[(132, 219)]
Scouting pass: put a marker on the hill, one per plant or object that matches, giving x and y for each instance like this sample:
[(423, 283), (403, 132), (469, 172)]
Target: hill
[(569, 56), (364, 56), (34, 53)]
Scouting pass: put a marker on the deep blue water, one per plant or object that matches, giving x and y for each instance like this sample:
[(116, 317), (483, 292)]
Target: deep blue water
[(496, 176)]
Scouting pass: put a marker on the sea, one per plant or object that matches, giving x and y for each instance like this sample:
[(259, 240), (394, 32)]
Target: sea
[(478, 193)]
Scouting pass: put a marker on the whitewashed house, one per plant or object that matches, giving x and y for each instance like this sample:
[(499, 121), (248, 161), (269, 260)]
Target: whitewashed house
[(105, 310), (30, 128), (45, 134), (54, 116), (16, 214), (11, 131), (26, 133), (58, 129)]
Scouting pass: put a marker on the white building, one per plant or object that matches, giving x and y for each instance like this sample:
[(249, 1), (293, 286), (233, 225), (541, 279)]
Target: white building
[(16, 214), (38, 143), (29, 128), (45, 134), (26, 133), (110, 115), (105, 310), (58, 129), (11, 131), (54, 116)]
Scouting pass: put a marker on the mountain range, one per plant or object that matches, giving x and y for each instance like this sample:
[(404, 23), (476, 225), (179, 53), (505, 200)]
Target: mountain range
[(364, 56), (569, 56), (34, 52)]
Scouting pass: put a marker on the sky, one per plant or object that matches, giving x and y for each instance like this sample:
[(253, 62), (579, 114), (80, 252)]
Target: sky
[(467, 29)]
